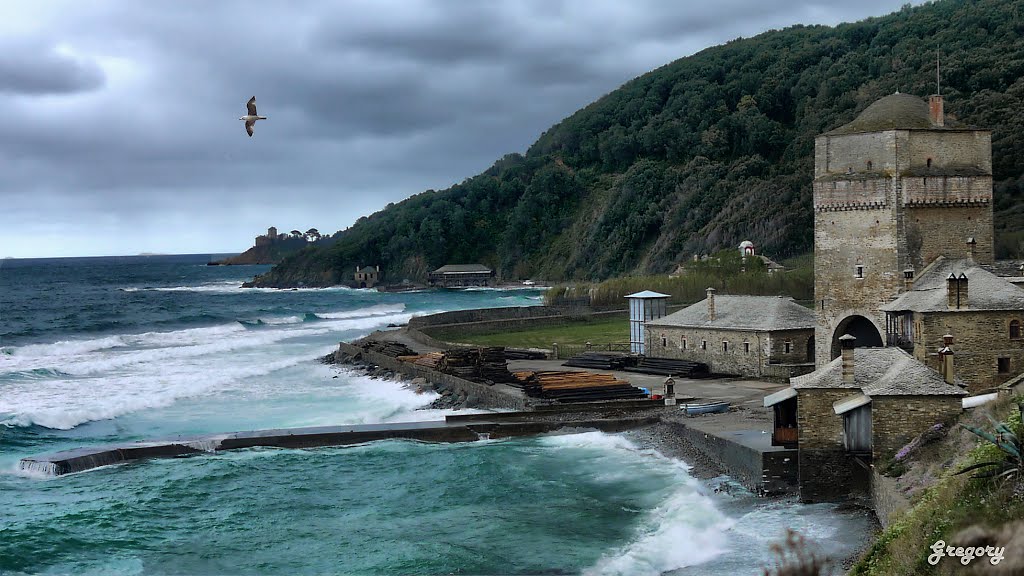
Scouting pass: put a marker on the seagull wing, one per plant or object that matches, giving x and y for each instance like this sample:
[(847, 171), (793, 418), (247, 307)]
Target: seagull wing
[(248, 127), (251, 105)]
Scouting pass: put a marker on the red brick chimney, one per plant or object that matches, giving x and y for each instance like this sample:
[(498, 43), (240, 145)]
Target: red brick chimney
[(935, 110)]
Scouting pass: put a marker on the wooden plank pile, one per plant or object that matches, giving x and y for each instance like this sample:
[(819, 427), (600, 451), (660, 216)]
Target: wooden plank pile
[(491, 365), (478, 364), (600, 360), (388, 348), (428, 360), (576, 386), (670, 367)]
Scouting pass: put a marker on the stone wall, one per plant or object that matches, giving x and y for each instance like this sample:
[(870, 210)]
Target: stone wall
[(763, 473), (980, 338), (943, 231), (747, 352), (477, 394), (850, 153), (482, 315), (948, 150), (844, 240), (896, 420), (827, 474), (666, 342), (886, 498)]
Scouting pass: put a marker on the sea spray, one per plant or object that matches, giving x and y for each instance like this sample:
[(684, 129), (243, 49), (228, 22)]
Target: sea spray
[(682, 528)]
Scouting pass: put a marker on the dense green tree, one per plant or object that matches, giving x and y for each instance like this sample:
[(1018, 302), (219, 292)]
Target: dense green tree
[(702, 153)]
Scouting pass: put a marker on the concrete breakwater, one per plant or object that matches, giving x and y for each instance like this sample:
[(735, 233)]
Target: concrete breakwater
[(82, 459)]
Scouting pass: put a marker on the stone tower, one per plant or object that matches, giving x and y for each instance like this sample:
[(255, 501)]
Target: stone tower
[(893, 190)]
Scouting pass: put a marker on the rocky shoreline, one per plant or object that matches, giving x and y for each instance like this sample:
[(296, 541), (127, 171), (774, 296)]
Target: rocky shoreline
[(449, 399)]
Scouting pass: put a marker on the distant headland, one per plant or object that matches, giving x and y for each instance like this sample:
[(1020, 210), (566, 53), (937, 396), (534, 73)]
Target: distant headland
[(271, 247)]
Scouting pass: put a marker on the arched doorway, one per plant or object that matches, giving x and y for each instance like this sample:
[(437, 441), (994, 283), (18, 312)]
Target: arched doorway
[(860, 328)]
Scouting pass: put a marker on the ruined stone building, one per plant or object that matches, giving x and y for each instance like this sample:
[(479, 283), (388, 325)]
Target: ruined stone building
[(742, 335), (367, 276)]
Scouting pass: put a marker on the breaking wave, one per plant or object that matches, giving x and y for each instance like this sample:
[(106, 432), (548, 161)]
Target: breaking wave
[(64, 384)]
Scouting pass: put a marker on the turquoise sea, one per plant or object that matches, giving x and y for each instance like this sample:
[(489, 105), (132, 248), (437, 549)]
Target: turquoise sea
[(97, 350)]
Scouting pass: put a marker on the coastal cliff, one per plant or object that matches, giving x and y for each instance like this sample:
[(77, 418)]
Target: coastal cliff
[(699, 155), (272, 248)]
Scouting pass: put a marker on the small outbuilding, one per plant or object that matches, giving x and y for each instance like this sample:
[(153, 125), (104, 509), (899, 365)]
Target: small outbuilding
[(644, 307), (860, 409)]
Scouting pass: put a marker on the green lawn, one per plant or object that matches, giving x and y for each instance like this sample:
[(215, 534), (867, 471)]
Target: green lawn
[(581, 332)]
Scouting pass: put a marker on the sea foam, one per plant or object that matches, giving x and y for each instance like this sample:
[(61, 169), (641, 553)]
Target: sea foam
[(683, 528), (65, 384)]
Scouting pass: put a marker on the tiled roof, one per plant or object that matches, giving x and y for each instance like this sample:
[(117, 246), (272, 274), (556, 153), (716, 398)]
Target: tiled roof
[(881, 372), (986, 291), (1005, 268), (760, 313), (461, 269), (895, 112)]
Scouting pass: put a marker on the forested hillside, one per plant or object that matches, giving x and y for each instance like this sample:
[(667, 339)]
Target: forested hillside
[(700, 154)]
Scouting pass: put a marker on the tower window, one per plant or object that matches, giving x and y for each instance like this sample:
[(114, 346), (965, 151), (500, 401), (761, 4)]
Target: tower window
[(703, 344), (1014, 329), (787, 346), (682, 344), (860, 271), (1003, 365), (725, 346), (929, 162), (869, 164), (664, 342), (746, 347)]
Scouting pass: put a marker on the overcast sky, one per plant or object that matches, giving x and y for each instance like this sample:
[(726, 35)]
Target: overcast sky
[(119, 128)]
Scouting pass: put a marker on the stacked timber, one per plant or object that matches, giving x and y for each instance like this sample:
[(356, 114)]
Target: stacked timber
[(429, 360), (576, 386), (670, 367), (600, 361), (388, 348), (478, 364), (491, 365), (459, 362)]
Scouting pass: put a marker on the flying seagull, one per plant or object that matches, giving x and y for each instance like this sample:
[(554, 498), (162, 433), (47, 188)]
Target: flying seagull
[(251, 117)]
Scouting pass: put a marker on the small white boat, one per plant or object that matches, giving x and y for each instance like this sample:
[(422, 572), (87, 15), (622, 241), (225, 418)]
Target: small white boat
[(692, 409)]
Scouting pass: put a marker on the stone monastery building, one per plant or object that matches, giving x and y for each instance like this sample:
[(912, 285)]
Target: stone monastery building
[(911, 313)]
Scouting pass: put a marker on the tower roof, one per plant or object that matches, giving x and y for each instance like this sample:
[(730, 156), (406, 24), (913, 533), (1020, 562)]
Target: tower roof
[(895, 112)]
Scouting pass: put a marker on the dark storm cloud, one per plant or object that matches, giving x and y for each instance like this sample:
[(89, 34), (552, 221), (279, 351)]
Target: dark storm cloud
[(123, 114), (35, 68)]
